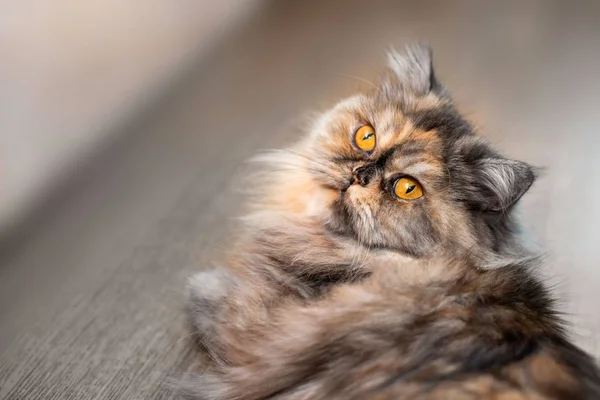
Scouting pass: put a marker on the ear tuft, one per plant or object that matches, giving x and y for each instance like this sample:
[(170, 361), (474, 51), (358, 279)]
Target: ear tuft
[(413, 69)]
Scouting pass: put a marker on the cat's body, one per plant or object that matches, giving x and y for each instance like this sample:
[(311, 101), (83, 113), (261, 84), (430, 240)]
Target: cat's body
[(347, 285)]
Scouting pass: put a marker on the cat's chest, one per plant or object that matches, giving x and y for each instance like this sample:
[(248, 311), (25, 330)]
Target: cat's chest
[(399, 270)]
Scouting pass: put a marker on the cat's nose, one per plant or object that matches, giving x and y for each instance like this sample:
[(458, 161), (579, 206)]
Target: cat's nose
[(364, 174)]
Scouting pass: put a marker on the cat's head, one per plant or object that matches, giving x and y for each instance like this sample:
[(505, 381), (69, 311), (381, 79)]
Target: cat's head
[(399, 168)]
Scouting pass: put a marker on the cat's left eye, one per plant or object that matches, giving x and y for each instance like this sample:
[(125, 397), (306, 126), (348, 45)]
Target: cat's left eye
[(407, 188), (365, 138)]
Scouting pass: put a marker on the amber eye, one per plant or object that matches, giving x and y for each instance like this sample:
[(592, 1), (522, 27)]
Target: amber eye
[(408, 188), (365, 138)]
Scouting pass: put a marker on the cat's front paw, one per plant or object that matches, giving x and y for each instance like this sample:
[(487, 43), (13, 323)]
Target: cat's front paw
[(207, 293), (204, 386)]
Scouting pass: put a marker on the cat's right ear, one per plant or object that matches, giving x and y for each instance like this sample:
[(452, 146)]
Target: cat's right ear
[(412, 72)]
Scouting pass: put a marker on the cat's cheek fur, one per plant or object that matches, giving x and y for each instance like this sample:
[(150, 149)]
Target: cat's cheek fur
[(379, 220), (299, 195)]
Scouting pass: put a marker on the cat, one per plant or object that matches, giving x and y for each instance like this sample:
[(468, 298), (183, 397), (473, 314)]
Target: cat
[(380, 259)]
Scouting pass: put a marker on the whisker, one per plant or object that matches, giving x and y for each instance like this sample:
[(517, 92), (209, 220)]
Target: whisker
[(264, 157), (307, 158), (363, 80)]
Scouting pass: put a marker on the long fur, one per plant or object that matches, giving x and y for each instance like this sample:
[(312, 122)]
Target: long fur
[(341, 290)]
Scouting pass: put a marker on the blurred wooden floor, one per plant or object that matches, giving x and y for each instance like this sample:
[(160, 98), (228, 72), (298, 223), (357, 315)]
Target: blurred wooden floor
[(91, 293)]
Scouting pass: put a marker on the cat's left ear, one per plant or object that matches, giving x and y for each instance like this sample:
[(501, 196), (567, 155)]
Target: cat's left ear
[(484, 179), (412, 72), (501, 182)]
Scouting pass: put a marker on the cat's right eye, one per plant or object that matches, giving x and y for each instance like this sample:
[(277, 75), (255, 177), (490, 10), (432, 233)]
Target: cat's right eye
[(365, 138)]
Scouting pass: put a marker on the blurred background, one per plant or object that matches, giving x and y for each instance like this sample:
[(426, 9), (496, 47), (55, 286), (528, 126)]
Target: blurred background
[(124, 127)]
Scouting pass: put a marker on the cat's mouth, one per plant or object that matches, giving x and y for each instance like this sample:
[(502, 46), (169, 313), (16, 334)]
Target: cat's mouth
[(347, 185), (344, 215), (340, 221)]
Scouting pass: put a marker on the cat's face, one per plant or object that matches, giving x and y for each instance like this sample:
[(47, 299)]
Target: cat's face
[(400, 169), (389, 175)]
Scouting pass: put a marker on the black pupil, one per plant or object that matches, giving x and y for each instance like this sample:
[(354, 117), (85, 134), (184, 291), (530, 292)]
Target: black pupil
[(410, 189), (367, 136)]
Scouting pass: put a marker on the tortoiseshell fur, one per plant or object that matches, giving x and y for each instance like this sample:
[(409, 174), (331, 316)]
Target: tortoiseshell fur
[(338, 290)]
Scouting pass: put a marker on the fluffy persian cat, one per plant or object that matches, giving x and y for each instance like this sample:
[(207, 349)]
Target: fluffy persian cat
[(380, 260)]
